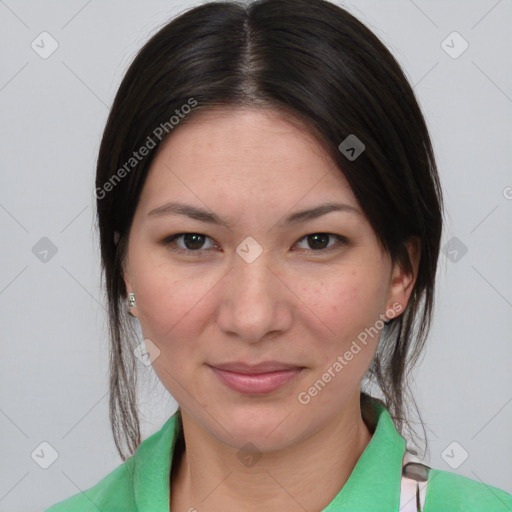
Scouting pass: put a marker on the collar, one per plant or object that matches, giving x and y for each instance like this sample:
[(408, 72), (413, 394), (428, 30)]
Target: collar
[(374, 483)]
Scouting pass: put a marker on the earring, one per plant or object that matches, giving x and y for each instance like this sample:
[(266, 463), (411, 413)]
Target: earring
[(131, 300)]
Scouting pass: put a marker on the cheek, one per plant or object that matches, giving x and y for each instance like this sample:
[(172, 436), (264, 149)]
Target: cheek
[(168, 308), (344, 308), (171, 313), (167, 296), (343, 313), (348, 299)]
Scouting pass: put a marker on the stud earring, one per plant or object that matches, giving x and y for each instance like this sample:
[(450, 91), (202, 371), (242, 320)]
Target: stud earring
[(131, 300)]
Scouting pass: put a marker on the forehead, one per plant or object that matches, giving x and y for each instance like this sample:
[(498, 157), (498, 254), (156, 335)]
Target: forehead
[(254, 155)]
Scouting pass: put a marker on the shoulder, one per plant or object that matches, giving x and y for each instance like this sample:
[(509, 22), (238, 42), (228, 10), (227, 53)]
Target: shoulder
[(112, 493), (143, 476), (450, 492)]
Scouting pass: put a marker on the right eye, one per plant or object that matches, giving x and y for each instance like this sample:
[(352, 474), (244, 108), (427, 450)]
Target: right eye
[(191, 243)]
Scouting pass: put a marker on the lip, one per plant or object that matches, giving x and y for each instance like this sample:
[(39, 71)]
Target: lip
[(256, 379), (255, 369)]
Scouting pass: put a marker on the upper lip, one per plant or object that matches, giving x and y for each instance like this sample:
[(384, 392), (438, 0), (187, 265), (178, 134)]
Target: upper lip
[(252, 369)]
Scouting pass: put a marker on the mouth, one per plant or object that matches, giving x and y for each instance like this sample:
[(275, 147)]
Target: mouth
[(258, 379)]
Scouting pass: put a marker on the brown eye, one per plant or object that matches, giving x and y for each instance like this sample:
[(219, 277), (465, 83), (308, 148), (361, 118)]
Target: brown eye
[(319, 242), (191, 243)]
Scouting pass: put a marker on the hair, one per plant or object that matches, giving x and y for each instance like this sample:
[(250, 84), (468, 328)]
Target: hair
[(314, 62)]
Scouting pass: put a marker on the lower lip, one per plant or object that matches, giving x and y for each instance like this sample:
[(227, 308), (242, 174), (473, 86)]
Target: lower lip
[(256, 384)]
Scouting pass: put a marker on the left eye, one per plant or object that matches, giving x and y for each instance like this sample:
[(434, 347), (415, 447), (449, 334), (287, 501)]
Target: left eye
[(318, 241), (193, 243)]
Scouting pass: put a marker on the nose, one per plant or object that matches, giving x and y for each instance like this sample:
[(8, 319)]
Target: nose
[(254, 303)]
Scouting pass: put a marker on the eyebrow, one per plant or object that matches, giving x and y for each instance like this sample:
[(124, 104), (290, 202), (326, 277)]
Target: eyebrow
[(202, 215)]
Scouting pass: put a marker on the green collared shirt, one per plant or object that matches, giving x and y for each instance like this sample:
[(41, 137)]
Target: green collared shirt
[(142, 482)]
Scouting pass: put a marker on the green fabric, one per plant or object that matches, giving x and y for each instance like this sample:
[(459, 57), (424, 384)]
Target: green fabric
[(141, 483)]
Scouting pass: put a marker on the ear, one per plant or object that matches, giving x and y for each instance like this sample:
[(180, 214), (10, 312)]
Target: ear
[(129, 289), (402, 281)]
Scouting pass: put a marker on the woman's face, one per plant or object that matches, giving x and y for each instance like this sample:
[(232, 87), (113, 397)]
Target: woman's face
[(254, 282)]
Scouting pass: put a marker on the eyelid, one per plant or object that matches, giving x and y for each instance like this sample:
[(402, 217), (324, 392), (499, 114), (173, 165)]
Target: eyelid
[(172, 240), (341, 241)]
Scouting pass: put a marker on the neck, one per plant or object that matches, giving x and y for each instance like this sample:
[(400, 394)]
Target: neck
[(208, 475)]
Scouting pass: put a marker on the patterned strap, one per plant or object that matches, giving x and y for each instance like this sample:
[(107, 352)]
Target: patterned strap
[(414, 483)]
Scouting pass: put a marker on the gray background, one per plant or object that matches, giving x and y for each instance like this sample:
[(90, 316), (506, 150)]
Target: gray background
[(53, 371)]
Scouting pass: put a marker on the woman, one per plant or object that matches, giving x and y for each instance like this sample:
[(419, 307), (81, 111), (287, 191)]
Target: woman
[(270, 214)]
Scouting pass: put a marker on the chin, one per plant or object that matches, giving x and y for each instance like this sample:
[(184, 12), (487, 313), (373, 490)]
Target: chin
[(266, 425)]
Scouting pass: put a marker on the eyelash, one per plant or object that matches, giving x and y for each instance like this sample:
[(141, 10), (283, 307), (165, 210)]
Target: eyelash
[(171, 240)]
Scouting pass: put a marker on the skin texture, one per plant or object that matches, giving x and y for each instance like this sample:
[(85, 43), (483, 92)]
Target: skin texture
[(295, 303)]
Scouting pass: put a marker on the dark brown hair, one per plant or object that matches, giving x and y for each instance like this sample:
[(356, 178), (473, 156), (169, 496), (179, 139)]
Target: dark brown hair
[(308, 59)]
